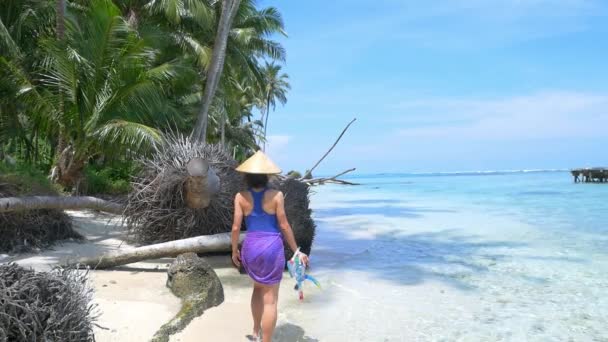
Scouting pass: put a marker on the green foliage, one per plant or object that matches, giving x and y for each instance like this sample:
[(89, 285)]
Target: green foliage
[(27, 179), (124, 74), (107, 180), (294, 174)]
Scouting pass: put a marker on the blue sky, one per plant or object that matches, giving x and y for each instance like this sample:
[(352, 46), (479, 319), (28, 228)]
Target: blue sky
[(447, 85)]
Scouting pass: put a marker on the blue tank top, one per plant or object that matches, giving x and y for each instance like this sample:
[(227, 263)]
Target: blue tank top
[(259, 220)]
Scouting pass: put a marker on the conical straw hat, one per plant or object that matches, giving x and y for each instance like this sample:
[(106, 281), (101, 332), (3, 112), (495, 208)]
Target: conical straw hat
[(259, 163)]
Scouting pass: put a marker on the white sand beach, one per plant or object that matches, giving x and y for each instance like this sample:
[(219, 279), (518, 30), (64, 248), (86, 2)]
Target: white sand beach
[(419, 267), (133, 301)]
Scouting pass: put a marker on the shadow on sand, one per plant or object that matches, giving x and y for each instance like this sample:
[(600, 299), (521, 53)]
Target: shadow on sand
[(288, 332)]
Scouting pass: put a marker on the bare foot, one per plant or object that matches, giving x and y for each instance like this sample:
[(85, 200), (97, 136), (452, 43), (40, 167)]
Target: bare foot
[(254, 337)]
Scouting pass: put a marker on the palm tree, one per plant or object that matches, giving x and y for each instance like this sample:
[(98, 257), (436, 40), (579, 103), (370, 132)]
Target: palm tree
[(229, 10), (247, 42), (101, 90), (275, 88), (22, 22), (60, 14), (231, 112), (197, 27), (121, 69)]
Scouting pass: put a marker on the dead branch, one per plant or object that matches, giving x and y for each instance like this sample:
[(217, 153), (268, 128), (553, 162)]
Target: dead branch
[(309, 172), (342, 182), (330, 179)]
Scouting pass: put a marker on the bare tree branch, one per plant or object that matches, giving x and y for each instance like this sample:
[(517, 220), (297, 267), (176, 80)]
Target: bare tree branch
[(309, 172), (330, 179)]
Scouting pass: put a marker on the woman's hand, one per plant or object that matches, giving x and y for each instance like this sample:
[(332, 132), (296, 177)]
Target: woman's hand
[(304, 259), (236, 258)]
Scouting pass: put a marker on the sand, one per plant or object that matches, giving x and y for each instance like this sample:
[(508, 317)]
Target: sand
[(133, 301)]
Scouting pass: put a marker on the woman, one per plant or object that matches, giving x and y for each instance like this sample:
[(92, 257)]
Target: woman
[(262, 253)]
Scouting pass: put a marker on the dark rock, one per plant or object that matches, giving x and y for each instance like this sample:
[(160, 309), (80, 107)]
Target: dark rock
[(194, 281), (191, 276)]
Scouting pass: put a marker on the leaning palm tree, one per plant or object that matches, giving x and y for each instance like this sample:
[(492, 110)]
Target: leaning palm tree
[(229, 10), (248, 41), (275, 88)]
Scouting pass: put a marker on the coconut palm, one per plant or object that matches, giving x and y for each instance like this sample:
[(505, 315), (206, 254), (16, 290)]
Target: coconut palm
[(21, 23), (100, 88), (247, 42), (195, 25), (214, 72), (121, 70), (275, 89)]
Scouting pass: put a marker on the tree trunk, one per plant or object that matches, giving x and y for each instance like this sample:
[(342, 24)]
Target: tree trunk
[(229, 9), (60, 13), (200, 244), (223, 129), (201, 185), (266, 120), (56, 202), (68, 168)]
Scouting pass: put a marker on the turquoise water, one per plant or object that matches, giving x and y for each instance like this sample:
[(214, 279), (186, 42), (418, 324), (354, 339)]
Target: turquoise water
[(548, 199), (460, 257)]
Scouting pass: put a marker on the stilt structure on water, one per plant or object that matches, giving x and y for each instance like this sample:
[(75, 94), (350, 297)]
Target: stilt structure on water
[(590, 175)]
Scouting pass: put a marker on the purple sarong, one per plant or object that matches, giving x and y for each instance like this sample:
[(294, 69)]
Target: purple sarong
[(263, 257)]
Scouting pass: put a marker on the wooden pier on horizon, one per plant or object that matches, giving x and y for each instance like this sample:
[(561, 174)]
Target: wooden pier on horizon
[(590, 175)]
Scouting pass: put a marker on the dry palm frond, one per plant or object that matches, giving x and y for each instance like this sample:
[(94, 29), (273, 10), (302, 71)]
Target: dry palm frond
[(156, 210)]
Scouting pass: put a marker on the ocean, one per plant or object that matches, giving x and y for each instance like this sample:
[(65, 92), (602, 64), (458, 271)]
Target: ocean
[(495, 256)]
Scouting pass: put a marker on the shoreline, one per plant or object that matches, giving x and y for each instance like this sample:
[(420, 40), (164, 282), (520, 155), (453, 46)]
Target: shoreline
[(404, 262)]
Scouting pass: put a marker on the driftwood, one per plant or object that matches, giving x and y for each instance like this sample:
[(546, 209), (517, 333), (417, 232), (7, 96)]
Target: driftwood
[(333, 179), (200, 244), (56, 202), (309, 172), (307, 178)]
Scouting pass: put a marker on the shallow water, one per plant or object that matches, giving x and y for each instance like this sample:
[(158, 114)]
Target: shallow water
[(490, 257)]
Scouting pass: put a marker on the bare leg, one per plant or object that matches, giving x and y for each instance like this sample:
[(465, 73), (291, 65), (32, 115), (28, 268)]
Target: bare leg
[(257, 307), (269, 317)]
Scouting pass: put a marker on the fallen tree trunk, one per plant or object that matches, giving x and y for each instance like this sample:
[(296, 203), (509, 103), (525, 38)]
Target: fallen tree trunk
[(200, 244), (57, 202)]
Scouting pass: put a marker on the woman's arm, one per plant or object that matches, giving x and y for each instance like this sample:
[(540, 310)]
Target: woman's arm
[(286, 227), (236, 230)]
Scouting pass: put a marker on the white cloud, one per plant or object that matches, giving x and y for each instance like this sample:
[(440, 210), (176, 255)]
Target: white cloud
[(546, 115)]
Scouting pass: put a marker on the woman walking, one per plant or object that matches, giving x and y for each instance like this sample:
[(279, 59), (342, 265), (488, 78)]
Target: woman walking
[(262, 252)]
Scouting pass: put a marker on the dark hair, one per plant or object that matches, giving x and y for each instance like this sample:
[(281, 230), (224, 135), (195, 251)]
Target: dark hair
[(255, 180)]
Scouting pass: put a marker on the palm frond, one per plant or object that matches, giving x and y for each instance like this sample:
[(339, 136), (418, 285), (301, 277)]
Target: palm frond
[(132, 135), (8, 46)]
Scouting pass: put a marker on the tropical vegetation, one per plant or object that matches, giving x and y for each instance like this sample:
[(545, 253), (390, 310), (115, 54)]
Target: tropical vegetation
[(89, 85)]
